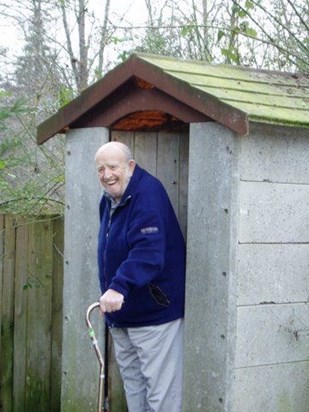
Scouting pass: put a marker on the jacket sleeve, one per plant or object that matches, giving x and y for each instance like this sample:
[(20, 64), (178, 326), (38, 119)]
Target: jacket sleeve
[(146, 239)]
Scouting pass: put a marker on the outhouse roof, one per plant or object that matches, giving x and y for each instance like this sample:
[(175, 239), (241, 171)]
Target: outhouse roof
[(230, 95)]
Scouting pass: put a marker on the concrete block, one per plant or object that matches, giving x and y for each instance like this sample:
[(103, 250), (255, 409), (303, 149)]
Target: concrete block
[(269, 334), (276, 154), (276, 273), (276, 213), (273, 388)]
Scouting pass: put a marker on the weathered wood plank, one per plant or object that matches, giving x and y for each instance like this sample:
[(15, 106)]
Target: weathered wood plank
[(124, 137), (2, 233), (275, 388), (270, 334), (145, 151), (272, 212), (168, 165), (183, 182), (272, 273), (1, 268), (20, 330), (21, 340), (7, 309), (39, 316), (57, 313)]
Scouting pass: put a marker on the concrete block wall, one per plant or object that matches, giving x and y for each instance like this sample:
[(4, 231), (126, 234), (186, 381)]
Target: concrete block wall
[(247, 312), (272, 339)]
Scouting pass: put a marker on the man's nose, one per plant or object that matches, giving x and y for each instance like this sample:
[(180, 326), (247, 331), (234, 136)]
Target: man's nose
[(107, 174)]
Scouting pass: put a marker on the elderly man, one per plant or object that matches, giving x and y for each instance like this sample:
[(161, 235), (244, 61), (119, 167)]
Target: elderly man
[(141, 257)]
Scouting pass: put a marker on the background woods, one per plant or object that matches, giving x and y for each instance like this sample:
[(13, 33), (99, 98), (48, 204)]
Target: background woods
[(63, 46)]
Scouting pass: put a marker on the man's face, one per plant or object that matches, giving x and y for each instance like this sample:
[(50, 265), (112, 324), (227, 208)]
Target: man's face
[(114, 172)]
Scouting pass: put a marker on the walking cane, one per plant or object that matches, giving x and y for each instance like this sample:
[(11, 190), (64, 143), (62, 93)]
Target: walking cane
[(99, 356)]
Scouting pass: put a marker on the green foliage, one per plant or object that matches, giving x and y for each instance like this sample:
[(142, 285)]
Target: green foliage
[(245, 28), (6, 112), (65, 95), (30, 177), (220, 35), (236, 10), (124, 55), (231, 54), (154, 42), (187, 30)]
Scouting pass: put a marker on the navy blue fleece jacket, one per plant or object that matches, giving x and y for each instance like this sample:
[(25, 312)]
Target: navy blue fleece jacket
[(141, 254)]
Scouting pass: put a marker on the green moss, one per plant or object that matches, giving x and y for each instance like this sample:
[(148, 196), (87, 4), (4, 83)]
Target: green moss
[(274, 97), (284, 404)]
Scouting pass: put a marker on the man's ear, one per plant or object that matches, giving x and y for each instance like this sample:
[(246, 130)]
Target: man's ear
[(131, 166)]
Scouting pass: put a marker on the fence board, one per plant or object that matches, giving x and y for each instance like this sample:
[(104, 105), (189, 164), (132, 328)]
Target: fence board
[(20, 329), (1, 289), (1, 268), (39, 317), (7, 333), (58, 246), (31, 275)]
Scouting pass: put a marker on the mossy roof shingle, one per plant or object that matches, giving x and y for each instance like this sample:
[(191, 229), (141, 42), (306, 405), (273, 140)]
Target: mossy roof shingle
[(230, 95)]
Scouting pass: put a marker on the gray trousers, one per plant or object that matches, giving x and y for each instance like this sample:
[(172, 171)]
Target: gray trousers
[(150, 360)]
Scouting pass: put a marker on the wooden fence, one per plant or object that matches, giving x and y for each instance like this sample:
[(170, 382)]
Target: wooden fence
[(31, 278)]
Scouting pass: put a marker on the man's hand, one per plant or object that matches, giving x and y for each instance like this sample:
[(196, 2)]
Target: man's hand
[(111, 301)]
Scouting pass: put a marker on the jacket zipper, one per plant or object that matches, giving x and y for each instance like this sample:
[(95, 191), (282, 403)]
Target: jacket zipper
[(107, 233), (106, 236)]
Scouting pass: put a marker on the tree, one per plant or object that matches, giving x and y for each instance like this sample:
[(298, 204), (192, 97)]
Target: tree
[(68, 45), (280, 28), (255, 33), (32, 176)]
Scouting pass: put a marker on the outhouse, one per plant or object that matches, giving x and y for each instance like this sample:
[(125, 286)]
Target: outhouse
[(231, 146)]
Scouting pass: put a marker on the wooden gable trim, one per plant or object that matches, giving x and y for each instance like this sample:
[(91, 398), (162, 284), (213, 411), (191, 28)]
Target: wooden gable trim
[(199, 101), (128, 100)]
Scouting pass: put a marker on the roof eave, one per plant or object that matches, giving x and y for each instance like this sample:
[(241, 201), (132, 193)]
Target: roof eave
[(91, 96), (203, 102)]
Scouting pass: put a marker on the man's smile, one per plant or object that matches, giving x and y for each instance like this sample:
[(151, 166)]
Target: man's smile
[(111, 183)]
